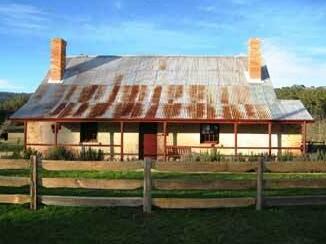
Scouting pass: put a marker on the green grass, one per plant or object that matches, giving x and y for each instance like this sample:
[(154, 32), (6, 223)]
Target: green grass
[(129, 225), (166, 175), (163, 193), (52, 224)]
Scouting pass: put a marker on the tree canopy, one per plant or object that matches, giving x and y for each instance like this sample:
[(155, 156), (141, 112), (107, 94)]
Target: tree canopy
[(314, 98), (10, 103), (14, 102)]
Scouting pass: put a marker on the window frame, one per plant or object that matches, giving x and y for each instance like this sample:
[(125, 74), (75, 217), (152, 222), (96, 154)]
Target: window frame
[(213, 134), (87, 131)]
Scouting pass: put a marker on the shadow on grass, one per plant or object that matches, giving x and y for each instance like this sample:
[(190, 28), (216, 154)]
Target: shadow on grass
[(129, 225)]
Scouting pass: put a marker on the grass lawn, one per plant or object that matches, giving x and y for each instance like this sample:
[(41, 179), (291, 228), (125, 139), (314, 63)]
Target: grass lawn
[(52, 224), (104, 174), (129, 225)]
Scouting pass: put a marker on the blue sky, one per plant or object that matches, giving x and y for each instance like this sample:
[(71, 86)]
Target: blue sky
[(293, 34)]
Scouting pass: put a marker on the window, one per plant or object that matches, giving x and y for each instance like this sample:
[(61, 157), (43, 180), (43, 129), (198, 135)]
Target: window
[(209, 133), (88, 132)]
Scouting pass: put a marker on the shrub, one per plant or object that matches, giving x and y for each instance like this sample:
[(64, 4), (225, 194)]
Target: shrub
[(318, 155), (13, 155), (252, 157), (287, 156), (6, 147), (191, 157), (60, 153), (214, 155), (204, 157), (91, 154), (321, 155), (29, 152)]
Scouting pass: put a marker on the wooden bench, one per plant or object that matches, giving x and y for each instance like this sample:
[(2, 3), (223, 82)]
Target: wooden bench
[(177, 151)]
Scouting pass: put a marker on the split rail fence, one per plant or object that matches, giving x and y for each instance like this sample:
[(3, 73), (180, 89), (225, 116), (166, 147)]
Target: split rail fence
[(147, 184)]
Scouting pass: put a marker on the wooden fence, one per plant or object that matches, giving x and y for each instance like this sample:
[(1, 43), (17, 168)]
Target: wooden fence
[(147, 184)]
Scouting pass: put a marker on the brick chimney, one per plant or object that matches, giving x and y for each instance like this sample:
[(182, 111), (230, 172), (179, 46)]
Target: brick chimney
[(58, 60), (254, 59)]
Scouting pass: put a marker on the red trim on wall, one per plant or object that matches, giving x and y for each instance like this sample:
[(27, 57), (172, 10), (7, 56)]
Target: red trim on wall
[(25, 135), (304, 137), (165, 134), (121, 140), (270, 139), (235, 131)]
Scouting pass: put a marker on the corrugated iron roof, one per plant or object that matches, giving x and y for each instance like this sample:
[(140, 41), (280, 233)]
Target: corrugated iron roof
[(156, 87)]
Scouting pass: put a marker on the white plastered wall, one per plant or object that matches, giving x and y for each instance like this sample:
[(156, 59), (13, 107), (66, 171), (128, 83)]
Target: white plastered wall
[(178, 134)]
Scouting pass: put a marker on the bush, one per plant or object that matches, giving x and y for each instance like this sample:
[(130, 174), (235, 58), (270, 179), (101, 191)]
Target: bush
[(29, 152), (287, 156), (212, 156), (319, 155), (6, 147), (253, 157), (13, 155), (191, 157), (215, 155), (91, 154), (60, 153)]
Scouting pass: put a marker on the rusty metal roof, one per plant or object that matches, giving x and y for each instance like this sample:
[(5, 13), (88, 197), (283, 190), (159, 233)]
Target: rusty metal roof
[(159, 87)]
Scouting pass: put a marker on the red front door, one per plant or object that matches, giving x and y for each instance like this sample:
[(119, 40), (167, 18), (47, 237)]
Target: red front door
[(148, 140)]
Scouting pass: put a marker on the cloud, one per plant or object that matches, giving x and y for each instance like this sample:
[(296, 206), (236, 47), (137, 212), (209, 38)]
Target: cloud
[(6, 85), (287, 67), (21, 17)]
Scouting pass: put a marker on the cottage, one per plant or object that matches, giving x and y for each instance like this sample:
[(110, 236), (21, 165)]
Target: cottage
[(162, 106)]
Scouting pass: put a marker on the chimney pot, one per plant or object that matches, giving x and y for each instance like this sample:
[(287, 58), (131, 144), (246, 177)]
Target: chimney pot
[(254, 59), (58, 60)]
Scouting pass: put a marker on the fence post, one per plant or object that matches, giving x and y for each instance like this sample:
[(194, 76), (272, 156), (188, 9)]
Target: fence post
[(34, 180), (259, 190), (147, 195)]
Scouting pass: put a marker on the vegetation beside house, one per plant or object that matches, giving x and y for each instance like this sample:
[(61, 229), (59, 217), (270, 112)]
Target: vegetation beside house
[(314, 99)]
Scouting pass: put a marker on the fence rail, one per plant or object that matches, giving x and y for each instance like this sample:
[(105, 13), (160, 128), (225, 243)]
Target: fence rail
[(148, 184), (91, 165), (15, 198), (14, 164), (203, 203), (100, 184), (191, 167), (13, 181), (92, 201)]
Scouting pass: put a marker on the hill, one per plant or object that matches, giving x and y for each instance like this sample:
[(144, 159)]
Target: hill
[(7, 95), (10, 102)]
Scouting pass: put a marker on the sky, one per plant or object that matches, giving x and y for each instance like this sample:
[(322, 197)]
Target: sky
[(292, 33)]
